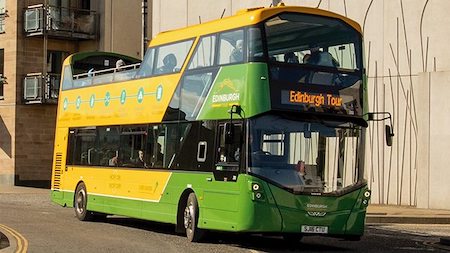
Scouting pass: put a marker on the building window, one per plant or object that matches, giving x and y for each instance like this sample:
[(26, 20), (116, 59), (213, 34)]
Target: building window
[(75, 4), (2, 76), (55, 61)]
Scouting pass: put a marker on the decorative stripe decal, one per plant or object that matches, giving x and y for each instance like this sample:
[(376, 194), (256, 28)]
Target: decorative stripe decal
[(209, 92)]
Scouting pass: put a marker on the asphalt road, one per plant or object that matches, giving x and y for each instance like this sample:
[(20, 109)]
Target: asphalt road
[(51, 228)]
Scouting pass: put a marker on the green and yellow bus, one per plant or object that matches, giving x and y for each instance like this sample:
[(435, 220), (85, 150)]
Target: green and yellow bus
[(251, 123)]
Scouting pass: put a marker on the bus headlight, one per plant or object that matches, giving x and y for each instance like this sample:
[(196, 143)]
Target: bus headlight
[(256, 187), (258, 195), (367, 194)]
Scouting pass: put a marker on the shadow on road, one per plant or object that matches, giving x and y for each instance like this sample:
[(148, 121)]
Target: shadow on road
[(257, 242)]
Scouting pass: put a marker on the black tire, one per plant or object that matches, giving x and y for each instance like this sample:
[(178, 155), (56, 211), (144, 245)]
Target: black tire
[(193, 233), (80, 203)]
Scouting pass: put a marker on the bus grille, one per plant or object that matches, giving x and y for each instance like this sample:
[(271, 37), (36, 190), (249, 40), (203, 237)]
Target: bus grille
[(58, 171)]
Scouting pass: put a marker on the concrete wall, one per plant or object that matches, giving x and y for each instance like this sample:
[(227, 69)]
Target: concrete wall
[(121, 31), (403, 41), (433, 186)]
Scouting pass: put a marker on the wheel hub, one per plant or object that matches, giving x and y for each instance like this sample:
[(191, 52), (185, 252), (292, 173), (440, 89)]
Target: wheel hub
[(188, 216), (80, 202)]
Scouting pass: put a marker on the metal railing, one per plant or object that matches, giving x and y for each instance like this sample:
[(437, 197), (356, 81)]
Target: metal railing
[(2, 83), (41, 89), (60, 22), (2, 21), (110, 75)]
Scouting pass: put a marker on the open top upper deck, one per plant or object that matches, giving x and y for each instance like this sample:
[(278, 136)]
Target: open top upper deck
[(290, 59)]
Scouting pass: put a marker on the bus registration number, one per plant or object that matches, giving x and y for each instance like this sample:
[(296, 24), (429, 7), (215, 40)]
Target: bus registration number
[(314, 229)]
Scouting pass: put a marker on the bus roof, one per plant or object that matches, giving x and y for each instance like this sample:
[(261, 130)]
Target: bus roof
[(242, 18)]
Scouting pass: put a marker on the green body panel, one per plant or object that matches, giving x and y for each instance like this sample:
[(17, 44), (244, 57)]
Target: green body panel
[(232, 206), (58, 197), (246, 85), (340, 212)]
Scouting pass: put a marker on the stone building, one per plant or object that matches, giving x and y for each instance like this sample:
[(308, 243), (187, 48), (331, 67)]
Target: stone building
[(35, 37)]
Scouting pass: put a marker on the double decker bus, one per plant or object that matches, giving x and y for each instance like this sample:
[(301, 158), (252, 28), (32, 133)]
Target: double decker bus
[(251, 123)]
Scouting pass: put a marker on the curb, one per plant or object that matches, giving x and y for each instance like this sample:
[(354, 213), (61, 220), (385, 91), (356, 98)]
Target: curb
[(375, 219)]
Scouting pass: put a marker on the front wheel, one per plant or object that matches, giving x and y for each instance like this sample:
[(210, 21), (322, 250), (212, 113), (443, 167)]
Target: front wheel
[(193, 233), (80, 204)]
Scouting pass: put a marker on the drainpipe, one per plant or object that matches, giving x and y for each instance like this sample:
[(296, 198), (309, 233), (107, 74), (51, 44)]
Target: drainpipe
[(144, 27)]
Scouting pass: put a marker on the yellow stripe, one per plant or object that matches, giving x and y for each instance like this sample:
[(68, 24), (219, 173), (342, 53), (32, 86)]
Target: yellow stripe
[(22, 243), (142, 185)]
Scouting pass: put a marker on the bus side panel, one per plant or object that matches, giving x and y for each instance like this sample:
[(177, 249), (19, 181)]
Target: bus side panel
[(257, 214), (58, 167), (357, 219), (217, 200), (243, 84), (224, 205), (120, 191), (111, 104)]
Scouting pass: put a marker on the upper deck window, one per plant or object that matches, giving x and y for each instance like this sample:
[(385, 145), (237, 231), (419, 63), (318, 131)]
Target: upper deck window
[(255, 45), (166, 59), (314, 40), (231, 47), (205, 53)]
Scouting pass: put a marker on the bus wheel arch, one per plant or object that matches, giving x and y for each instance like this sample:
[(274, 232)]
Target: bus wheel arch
[(179, 226), (187, 216), (80, 199)]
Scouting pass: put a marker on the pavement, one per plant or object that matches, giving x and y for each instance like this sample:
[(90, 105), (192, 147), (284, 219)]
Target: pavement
[(376, 214), (406, 215)]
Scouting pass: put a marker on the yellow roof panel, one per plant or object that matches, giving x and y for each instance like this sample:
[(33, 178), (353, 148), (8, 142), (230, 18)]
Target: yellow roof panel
[(242, 18)]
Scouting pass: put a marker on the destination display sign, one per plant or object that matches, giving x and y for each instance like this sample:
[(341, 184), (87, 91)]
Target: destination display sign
[(298, 97), (318, 99)]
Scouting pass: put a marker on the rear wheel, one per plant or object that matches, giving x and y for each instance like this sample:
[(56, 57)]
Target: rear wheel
[(80, 204), (193, 233)]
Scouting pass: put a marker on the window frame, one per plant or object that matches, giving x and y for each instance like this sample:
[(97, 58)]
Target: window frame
[(244, 46), (155, 57), (358, 51), (197, 45)]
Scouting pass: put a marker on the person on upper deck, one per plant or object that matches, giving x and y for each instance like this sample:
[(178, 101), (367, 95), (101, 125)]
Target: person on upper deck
[(321, 58), (170, 62)]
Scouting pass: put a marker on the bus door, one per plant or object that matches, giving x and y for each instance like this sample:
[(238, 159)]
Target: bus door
[(221, 193), (228, 161)]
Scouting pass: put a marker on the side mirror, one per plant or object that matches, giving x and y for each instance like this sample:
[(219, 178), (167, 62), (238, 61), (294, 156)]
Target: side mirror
[(375, 116), (389, 135), (228, 133)]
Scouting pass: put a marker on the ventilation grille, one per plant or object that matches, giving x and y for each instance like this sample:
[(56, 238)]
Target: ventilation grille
[(58, 171)]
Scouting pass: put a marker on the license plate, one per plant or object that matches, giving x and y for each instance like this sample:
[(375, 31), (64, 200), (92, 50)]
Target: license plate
[(315, 229)]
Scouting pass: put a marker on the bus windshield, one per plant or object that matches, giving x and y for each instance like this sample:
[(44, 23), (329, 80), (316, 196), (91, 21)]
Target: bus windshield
[(306, 157), (311, 49)]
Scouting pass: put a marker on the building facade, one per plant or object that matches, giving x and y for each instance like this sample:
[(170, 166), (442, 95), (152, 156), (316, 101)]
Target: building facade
[(35, 37), (406, 57)]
